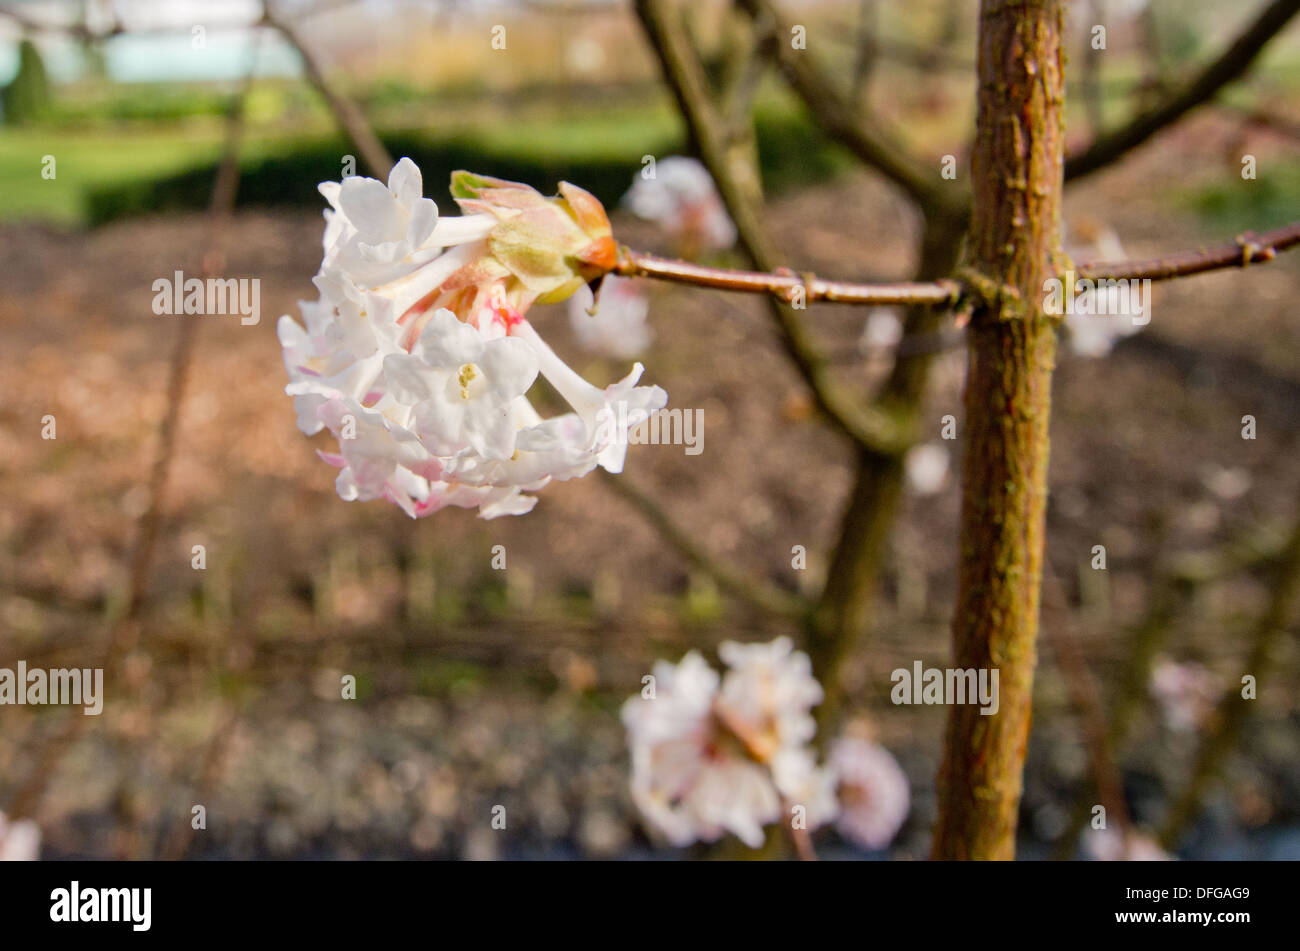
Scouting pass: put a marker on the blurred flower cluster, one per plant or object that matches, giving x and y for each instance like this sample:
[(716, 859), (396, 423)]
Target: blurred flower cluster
[(417, 355), (716, 754)]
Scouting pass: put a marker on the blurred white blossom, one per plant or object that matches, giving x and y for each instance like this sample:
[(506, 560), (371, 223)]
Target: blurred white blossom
[(691, 780), (1185, 693), (1095, 334), (20, 840), (682, 199), (883, 330), (1110, 845), (874, 793), (612, 324), (767, 696), (926, 467)]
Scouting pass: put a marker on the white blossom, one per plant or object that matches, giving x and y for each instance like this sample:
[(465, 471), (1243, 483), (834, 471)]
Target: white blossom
[(768, 695), (883, 330), (20, 840), (1109, 845), (613, 324), (690, 780), (417, 356), (1184, 692), (926, 467), (1095, 334), (875, 795), (682, 199)]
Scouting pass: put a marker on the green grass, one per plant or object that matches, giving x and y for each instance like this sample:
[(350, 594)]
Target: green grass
[(1231, 204), (108, 168), (107, 158), (87, 159)]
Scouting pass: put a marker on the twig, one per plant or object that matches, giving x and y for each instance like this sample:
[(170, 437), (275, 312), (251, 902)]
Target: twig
[(738, 179), (1248, 248), (802, 838), (766, 598), (786, 286), (181, 837), (1086, 698), (1233, 708), (1178, 577), (119, 634), (844, 122), (1231, 64), (346, 113)]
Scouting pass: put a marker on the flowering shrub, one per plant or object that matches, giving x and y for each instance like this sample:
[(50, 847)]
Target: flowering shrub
[(418, 358)]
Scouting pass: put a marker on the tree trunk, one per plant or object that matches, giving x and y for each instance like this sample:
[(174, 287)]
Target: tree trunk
[(1015, 233)]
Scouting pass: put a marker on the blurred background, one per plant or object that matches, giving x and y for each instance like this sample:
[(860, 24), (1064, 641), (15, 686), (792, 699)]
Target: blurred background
[(479, 687)]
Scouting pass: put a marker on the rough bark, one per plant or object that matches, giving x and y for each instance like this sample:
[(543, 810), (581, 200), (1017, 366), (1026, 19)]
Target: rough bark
[(1015, 232)]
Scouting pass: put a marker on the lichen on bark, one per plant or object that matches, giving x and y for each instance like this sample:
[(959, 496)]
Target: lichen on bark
[(1016, 169)]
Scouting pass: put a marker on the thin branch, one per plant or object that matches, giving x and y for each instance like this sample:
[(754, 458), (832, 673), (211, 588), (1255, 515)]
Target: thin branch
[(786, 286), (346, 113), (866, 52), (1086, 699), (735, 170), (1233, 708), (121, 632), (1231, 64), (1177, 579), (844, 123), (1246, 249), (766, 598), (181, 838)]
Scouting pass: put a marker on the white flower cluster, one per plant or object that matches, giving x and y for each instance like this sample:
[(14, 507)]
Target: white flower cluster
[(712, 755), (417, 357)]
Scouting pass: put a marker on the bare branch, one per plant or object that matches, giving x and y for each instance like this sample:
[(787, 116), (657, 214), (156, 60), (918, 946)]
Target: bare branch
[(1231, 64), (735, 170), (1248, 248), (1233, 708), (786, 286), (346, 113), (843, 122), (121, 632), (766, 598)]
